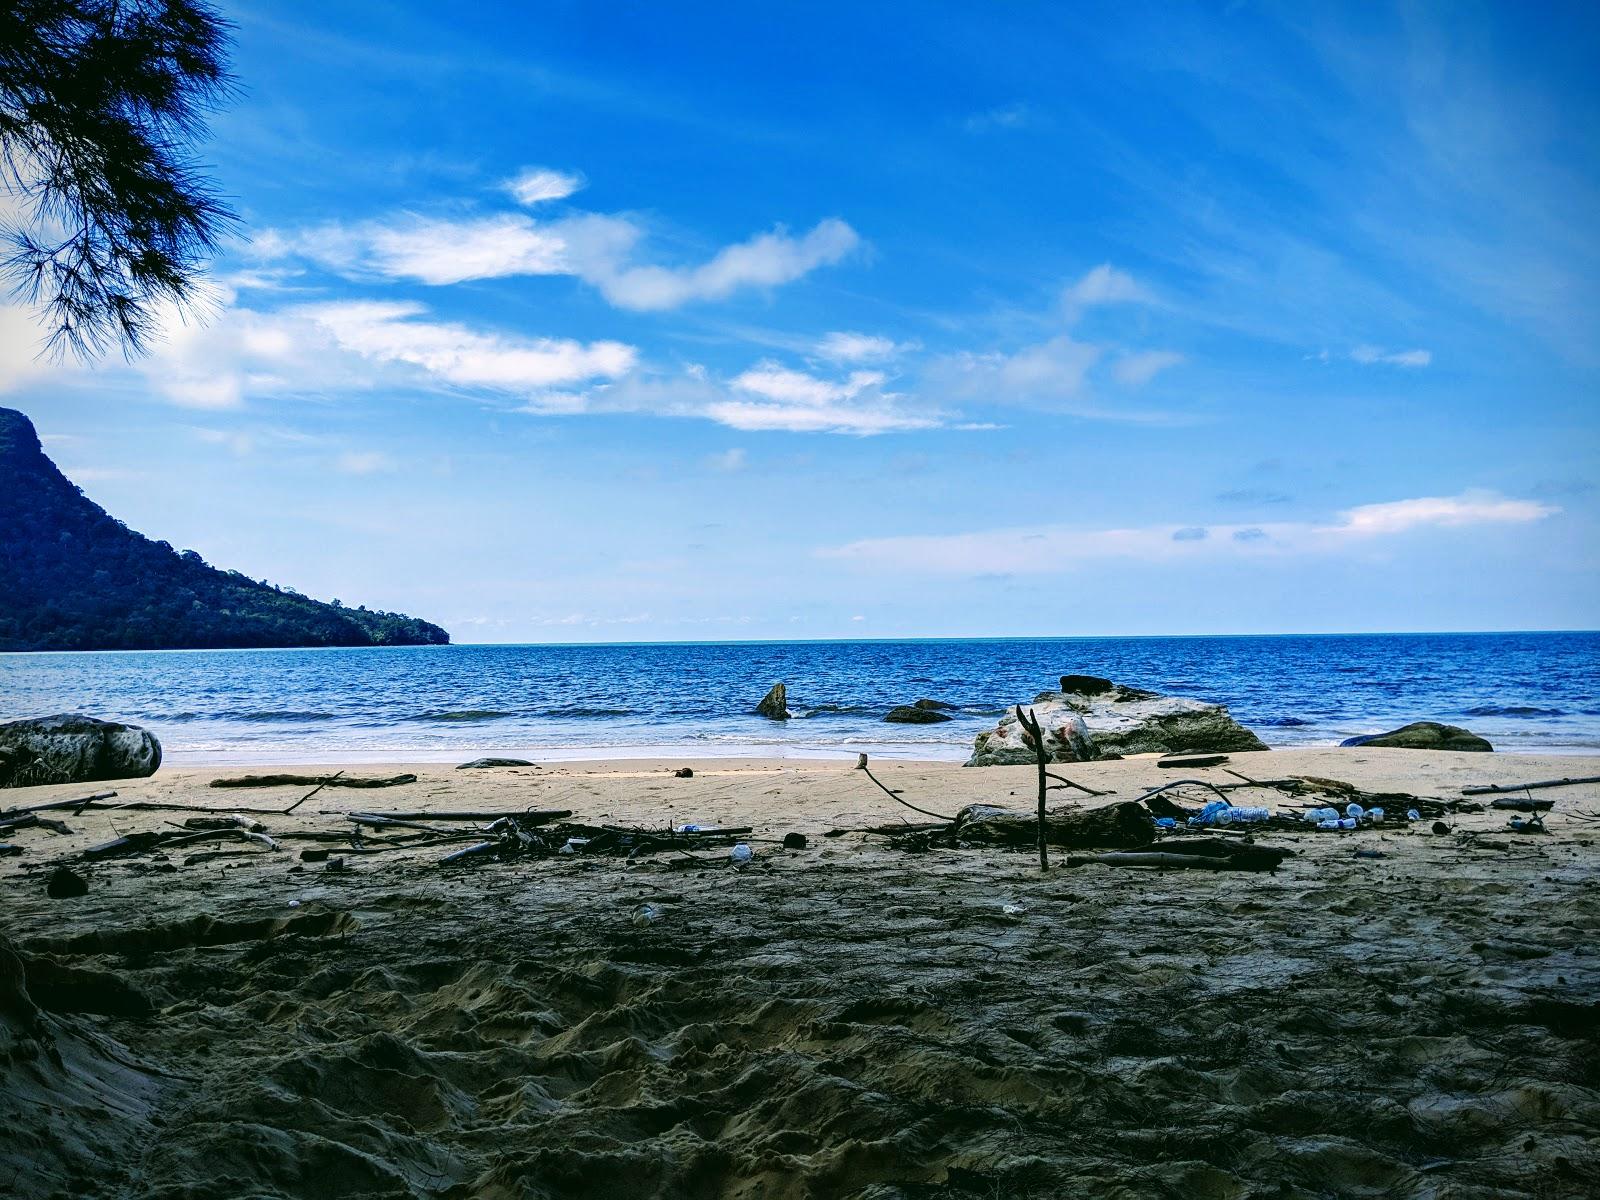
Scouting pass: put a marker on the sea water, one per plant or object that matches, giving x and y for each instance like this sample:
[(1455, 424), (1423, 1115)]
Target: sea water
[(1523, 691)]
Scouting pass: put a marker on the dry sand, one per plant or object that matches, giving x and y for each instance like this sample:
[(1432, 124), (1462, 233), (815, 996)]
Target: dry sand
[(843, 1020)]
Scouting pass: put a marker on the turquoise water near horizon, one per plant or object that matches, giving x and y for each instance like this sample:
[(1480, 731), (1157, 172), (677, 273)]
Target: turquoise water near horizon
[(1524, 691)]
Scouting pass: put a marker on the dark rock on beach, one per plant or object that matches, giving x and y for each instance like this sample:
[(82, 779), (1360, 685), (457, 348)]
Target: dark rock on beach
[(915, 714), (73, 749), (775, 704), (1424, 735), (479, 763)]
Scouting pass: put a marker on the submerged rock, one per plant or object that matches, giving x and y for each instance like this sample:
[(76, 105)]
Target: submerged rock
[(71, 749), (1424, 735), (916, 714), (1081, 725), (775, 704)]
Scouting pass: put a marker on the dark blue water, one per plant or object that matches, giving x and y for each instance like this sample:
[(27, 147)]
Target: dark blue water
[(1534, 691)]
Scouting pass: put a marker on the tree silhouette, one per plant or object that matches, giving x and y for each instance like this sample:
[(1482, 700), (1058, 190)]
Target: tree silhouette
[(99, 100)]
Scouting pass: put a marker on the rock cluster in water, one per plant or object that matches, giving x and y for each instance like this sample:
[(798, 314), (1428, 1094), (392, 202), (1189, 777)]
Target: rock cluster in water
[(1091, 717), (72, 749), (922, 712)]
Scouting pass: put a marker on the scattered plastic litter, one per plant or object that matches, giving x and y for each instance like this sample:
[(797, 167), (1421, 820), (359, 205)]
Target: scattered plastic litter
[(1012, 909), (1166, 822), (645, 914), (741, 854), (1413, 815)]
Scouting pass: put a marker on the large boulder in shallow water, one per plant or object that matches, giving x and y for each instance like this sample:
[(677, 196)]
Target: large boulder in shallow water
[(775, 704), (1083, 724), (1424, 735), (70, 749), (923, 712)]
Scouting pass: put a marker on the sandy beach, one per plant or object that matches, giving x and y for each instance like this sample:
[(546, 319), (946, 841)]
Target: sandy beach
[(846, 1019)]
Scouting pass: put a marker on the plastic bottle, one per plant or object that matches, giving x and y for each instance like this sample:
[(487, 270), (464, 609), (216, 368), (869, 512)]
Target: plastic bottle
[(690, 828), (1327, 824), (1244, 813), (741, 854), (1353, 811), (646, 914), (1348, 822), (1375, 813), (1413, 815), (1218, 812), (1166, 822)]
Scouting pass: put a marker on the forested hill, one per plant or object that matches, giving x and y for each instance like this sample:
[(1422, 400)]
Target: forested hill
[(74, 578)]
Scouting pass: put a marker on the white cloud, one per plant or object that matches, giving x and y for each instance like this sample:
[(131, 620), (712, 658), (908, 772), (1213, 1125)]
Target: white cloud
[(537, 185), (734, 459), (1469, 508), (596, 248), (1138, 369), (786, 399), (21, 347), (767, 260), (847, 346), (1049, 548), (440, 252), (365, 462), (1003, 116), (1047, 372), (453, 353), (1104, 284), (1368, 355)]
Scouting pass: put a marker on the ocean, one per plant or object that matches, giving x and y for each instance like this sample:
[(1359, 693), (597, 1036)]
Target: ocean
[(1523, 691)]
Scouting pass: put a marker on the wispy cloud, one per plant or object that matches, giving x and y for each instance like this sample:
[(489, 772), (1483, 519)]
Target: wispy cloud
[(454, 353), (729, 461), (602, 250), (1140, 367), (1050, 548), (849, 347), (1104, 284), (1003, 116), (365, 462), (1368, 355), (773, 397), (537, 185)]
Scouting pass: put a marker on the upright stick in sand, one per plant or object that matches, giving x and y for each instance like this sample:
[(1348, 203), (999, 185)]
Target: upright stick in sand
[(1031, 732)]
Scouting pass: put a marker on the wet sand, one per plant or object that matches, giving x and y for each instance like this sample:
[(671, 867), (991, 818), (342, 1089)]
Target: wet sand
[(842, 1020)]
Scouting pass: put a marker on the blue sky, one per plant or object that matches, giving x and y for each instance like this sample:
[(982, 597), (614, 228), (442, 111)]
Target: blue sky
[(624, 322)]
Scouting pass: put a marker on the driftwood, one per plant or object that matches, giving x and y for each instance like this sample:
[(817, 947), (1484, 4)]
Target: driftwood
[(79, 804), (1178, 761), (1493, 789), (1031, 734), (1527, 806), (1065, 782), (312, 792), (1124, 825), (534, 816), (320, 781), (1157, 858), (861, 765), (32, 820)]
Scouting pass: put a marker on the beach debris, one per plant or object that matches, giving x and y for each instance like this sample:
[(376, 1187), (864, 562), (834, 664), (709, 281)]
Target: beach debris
[(1423, 735), (532, 816), (9, 825), (1203, 854), (334, 778), (1527, 805), (794, 841), (1121, 825), (1440, 827), (1534, 824), (66, 748), (77, 805), (684, 773), (861, 765), (645, 914), (741, 854), (1497, 788), (338, 780), (775, 704), (479, 764), (65, 884), (1196, 761), (513, 837), (8, 850), (1364, 852), (1034, 737)]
